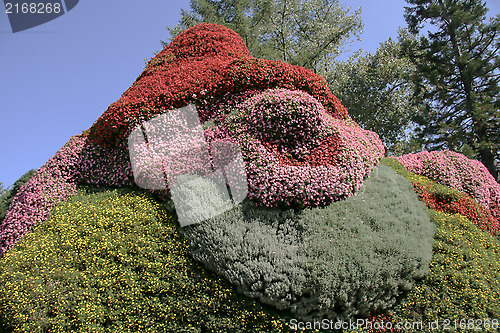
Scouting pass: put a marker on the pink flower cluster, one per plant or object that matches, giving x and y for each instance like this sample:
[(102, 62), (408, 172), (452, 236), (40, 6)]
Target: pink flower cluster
[(459, 172), (273, 183), (52, 183), (77, 162), (104, 166), (292, 120)]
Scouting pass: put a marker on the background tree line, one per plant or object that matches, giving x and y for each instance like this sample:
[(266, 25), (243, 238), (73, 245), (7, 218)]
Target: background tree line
[(432, 91)]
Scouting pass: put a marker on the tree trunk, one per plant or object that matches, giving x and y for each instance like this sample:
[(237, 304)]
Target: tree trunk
[(488, 159)]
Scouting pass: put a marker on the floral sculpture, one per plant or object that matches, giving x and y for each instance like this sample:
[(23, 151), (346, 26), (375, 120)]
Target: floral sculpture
[(323, 157)]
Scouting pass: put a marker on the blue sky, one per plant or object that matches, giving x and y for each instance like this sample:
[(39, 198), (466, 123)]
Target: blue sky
[(58, 78)]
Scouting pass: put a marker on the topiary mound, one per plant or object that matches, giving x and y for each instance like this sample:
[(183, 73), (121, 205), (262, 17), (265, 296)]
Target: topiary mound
[(208, 65), (201, 65), (113, 261), (458, 172), (350, 258)]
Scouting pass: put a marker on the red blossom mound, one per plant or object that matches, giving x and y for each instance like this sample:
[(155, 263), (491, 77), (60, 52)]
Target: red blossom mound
[(209, 40), (200, 66)]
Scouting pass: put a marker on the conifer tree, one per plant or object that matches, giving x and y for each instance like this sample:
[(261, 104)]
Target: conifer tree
[(458, 77), (305, 33), (2, 190)]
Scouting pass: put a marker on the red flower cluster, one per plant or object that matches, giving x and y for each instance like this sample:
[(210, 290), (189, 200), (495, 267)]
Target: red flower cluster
[(201, 65), (209, 40), (264, 74), (455, 202), (379, 323), (326, 154)]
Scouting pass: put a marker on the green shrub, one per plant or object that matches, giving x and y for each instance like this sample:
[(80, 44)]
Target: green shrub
[(257, 249), (4, 192), (113, 261), (7, 197), (350, 258)]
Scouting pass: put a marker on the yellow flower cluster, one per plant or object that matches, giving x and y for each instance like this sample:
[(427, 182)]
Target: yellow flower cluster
[(464, 278), (114, 261), (464, 282)]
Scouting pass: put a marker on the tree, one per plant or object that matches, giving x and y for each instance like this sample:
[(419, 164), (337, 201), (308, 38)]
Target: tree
[(3, 191), (377, 90), (458, 77), (4, 194), (305, 33)]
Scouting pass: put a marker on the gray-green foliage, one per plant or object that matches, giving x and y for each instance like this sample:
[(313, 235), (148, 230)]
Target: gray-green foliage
[(371, 246), (256, 249), (305, 33), (350, 258), (377, 89)]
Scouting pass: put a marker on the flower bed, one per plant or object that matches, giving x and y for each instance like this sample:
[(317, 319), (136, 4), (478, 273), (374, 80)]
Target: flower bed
[(301, 150), (445, 199), (296, 154), (190, 70), (459, 172), (52, 183)]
